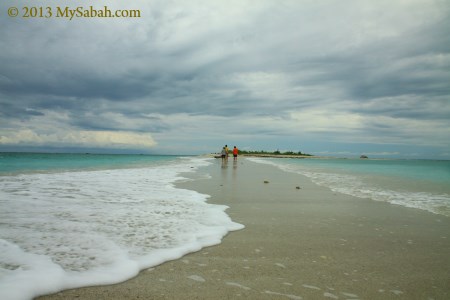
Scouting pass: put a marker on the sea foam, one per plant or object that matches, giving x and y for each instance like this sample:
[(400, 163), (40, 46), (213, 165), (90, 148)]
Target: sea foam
[(387, 186), (73, 229)]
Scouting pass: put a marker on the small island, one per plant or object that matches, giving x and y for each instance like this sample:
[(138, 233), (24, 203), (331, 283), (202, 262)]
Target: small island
[(277, 153), (287, 154)]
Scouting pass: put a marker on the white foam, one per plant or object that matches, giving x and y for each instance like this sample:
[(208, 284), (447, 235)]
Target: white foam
[(366, 187), (66, 230)]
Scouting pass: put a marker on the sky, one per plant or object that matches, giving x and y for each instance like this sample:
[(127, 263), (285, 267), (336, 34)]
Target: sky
[(328, 77)]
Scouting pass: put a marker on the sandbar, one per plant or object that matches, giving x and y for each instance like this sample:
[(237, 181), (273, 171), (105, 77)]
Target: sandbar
[(300, 241)]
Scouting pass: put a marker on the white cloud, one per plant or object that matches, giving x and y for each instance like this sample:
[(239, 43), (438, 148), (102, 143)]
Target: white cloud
[(78, 138)]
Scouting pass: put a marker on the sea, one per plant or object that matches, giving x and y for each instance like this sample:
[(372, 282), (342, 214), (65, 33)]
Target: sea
[(421, 184), (74, 220)]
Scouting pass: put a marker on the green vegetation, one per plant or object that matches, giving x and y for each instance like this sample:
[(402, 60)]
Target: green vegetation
[(262, 152)]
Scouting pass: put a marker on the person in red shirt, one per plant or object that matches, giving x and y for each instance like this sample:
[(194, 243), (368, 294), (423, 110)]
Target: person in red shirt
[(235, 153)]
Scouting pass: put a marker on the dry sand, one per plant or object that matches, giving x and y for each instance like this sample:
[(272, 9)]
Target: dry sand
[(308, 243)]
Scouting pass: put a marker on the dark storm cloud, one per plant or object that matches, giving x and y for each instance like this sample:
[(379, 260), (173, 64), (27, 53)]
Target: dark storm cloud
[(192, 67), (9, 110)]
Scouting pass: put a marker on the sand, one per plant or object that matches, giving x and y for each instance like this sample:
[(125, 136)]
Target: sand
[(307, 243)]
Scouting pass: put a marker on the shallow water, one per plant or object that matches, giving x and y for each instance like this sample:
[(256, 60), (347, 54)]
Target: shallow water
[(422, 184), (71, 220)]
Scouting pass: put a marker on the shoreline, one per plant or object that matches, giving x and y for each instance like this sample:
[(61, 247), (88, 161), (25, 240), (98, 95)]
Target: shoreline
[(306, 243), (216, 155)]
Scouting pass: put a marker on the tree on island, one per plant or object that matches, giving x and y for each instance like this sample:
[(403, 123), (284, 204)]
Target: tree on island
[(277, 152)]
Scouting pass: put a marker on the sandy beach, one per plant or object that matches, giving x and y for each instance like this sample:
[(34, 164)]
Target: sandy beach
[(298, 243)]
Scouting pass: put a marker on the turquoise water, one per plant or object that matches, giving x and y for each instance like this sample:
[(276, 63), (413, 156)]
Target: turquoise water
[(73, 220), (429, 170), (422, 184), (46, 162)]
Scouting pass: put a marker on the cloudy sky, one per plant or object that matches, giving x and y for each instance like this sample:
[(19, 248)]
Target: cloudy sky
[(326, 77)]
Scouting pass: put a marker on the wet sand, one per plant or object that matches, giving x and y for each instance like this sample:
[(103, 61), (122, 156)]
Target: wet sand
[(307, 243)]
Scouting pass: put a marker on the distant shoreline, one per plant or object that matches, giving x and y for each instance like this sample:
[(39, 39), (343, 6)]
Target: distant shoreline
[(279, 155), (271, 155)]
